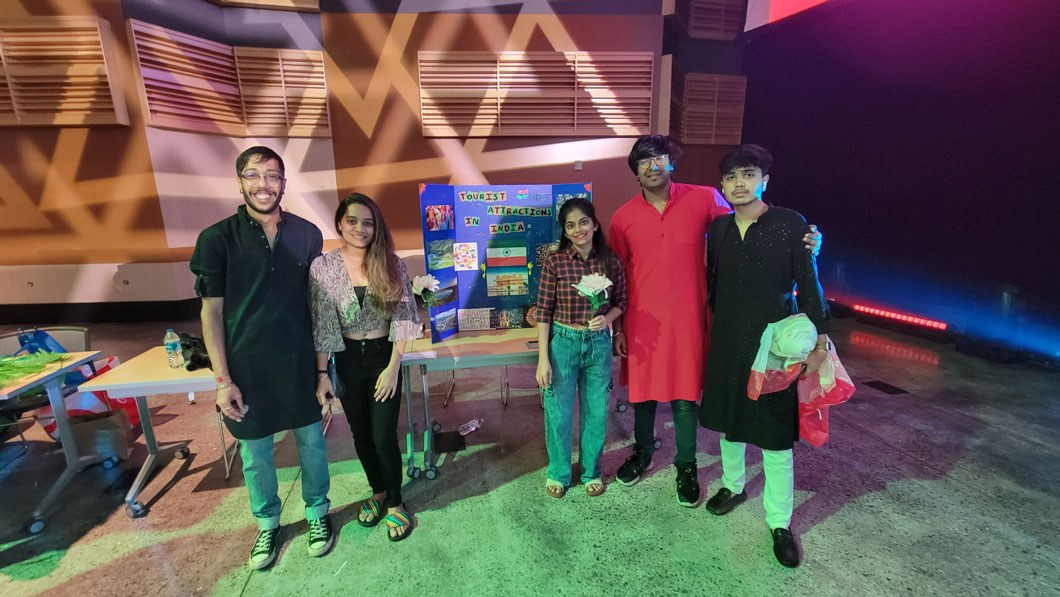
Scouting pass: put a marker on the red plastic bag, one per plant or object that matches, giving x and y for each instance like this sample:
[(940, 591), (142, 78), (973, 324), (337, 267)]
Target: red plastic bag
[(86, 403), (819, 391)]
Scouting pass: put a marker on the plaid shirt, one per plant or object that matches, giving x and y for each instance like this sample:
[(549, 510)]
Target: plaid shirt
[(557, 300)]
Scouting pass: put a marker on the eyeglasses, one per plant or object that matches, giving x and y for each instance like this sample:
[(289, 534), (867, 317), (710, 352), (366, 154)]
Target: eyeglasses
[(658, 160), (272, 178)]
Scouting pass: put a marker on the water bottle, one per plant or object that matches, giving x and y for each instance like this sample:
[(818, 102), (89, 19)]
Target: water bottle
[(174, 354), (470, 426)]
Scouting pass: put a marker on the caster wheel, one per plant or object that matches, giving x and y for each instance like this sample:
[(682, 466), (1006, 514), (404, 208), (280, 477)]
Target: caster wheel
[(658, 443), (109, 463), (408, 473), (181, 454), (432, 473), (135, 510), (35, 526), (436, 426), (622, 407), (416, 473)]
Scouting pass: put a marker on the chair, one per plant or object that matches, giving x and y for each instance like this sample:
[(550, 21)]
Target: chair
[(73, 339)]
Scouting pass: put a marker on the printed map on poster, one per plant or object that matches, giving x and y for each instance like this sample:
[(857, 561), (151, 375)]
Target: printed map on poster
[(465, 257)]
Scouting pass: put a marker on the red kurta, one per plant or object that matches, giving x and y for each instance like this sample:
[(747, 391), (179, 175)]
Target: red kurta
[(666, 320)]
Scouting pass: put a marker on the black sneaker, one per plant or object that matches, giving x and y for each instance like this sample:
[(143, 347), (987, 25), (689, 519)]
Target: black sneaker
[(633, 468), (785, 549), (687, 486), (724, 501), (321, 538), (264, 552)]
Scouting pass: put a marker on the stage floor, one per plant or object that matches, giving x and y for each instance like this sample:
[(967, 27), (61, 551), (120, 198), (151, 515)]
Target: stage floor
[(950, 488)]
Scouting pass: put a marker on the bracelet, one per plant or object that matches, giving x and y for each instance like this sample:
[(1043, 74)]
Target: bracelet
[(323, 375), (618, 333), (324, 371), (222, 385)]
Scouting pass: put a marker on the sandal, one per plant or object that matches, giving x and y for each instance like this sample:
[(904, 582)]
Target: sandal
[(398, 520), (555, 490), (373, 508), (595, 488)]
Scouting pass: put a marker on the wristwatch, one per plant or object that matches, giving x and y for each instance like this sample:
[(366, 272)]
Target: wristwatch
[(827, 346)]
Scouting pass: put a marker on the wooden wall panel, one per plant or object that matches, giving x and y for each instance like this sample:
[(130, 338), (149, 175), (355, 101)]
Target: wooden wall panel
[(580, 94), (712, 19), (707, 109), (194, 84), (59, 71), (299, 5)]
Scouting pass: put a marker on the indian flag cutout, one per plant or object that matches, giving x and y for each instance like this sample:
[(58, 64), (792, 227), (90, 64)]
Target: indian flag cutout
[(506, 254)]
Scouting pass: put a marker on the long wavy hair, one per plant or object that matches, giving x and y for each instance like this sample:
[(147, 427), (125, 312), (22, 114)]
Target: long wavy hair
[(603, 251), (380, 263)]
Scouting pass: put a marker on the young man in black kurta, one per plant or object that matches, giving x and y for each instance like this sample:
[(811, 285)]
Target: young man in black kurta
[(252, 272), (755, 261)]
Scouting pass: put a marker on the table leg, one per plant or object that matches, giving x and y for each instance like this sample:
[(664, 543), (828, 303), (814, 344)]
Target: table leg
[(179, 449), (74, 461), (428, 439), (505, 386), (449, 392), (410, 438)]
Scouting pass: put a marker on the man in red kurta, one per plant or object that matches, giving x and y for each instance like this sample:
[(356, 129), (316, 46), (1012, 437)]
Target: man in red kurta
[(659, 235)]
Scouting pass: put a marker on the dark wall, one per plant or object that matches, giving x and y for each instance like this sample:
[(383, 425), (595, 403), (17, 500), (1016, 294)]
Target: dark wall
[(924, 137)]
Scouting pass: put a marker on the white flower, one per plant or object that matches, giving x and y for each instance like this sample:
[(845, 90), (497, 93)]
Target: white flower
[(426, 282), (593, 284)]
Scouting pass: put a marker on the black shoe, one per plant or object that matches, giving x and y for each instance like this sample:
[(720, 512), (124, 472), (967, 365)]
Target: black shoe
[(785, 548), (264, 552), (724, 501), (633, 468), (321, 537), (687, 486)]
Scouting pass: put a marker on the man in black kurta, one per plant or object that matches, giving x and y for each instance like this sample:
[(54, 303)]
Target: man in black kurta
[(252, 272), (755, 262)]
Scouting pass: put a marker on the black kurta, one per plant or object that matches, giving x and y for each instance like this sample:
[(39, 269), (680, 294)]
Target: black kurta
[(752, 282), (268, 336)]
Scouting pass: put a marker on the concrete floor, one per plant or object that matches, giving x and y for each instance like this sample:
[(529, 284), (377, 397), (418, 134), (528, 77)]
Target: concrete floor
[(949, 489)]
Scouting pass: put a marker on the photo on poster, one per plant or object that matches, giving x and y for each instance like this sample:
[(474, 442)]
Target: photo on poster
[(438, 217), (507, 281), (474, 319), (440, 254), (513, 317), (465, 257), (445, 321), (543, 251)]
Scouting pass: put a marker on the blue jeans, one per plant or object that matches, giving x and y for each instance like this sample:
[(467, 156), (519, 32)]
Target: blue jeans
[(259, 473), (581, 360)]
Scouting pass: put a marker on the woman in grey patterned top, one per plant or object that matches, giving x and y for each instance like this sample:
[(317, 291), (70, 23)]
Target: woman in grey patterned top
[(364, 312)]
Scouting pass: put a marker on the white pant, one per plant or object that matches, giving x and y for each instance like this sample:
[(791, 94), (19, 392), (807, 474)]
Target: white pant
[(779, 468)]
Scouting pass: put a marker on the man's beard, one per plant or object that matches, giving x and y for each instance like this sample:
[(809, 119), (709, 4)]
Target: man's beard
[(250, 204)]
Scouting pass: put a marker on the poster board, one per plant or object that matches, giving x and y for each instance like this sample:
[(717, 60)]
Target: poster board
[(486, 245)]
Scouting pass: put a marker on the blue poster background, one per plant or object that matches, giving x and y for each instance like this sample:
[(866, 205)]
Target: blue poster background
[(487, 247)]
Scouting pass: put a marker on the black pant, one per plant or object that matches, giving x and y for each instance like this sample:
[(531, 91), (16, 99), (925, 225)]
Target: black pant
[(373, 423), (685, 428)]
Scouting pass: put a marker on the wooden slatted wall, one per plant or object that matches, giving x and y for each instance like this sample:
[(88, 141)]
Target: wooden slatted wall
[(59, 71), (283, 92), (482, 94), (190, 83), (712, 19), (707, 109), (299, 5)]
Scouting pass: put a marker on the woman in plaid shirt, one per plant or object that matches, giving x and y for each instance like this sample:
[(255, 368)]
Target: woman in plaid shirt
[(574, 345)]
